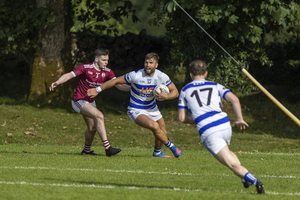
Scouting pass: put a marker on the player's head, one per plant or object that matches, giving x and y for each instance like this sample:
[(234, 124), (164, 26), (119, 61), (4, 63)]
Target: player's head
[(101, 58), (151, 63), (153, 56), (198, 68), (100, 52)]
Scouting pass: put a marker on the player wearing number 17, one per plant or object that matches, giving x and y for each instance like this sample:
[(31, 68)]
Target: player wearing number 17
[(203, 99)]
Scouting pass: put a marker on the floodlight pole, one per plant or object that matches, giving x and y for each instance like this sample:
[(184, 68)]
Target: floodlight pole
[(286, 111)]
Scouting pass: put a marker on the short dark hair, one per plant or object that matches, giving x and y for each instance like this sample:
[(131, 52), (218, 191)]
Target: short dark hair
[(152, 55), (100, 52), (198, 67)]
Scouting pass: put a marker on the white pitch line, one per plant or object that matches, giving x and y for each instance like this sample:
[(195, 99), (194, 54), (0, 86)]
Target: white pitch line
[(274, 154), (242, 152), (134, 187), (96, 186), (137, 171)]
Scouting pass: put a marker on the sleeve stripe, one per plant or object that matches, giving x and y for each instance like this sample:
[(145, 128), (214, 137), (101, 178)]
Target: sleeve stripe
[(73, 73)]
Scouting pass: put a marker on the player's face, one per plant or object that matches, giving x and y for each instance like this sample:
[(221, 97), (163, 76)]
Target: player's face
[(150, 66), (101, 62)]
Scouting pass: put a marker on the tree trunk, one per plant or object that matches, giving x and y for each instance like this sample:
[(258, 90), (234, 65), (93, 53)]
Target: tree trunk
[(53, 57)]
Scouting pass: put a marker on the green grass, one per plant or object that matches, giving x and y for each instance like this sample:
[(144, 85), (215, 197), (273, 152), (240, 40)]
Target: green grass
[(59, 172), (47, 164)]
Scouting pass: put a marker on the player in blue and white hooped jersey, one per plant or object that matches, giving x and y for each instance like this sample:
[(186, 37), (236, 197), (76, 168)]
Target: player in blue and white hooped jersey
[(142, 107), (142, 97), (202, 99)]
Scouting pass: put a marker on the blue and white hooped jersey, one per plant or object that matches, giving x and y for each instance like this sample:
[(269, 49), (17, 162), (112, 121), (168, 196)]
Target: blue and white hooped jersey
[(203, 99), (142, 86)]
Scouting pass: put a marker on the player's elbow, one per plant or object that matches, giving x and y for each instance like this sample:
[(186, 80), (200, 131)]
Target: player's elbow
[(176, 94), (232, 98), (235, 100), (119, 87), (181, 118)]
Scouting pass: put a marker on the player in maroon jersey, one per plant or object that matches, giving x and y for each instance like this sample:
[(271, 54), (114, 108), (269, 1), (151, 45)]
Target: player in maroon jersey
[(91, 75)]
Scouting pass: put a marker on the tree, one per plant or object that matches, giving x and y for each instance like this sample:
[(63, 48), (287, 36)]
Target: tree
[(91, 20), (238, 26), (53, 56), (19, 22), (39, 31)]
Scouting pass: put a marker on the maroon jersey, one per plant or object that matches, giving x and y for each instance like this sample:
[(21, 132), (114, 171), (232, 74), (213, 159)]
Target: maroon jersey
[(89, 77)]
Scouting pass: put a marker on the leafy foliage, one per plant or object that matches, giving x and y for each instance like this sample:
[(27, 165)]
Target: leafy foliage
[(285, 70), (20, 21), (238, 26), (92, 16), (92, 27)]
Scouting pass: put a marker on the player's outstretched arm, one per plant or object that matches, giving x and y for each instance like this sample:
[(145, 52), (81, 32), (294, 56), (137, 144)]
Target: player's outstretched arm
[(64, 78), (93, 92), (237, 109), (123, 87)]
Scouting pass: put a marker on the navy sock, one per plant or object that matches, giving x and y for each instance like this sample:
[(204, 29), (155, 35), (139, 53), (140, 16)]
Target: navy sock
[(250, 178), (169, 144)]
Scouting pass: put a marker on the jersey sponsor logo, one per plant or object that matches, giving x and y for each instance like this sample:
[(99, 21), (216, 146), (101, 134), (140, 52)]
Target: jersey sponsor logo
[(89, 72), (155, 81), (141, 81), (88, 66), (92, 84), (146, 95), (146, 89)]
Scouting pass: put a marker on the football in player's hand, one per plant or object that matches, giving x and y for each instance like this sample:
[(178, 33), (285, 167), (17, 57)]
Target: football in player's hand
[(161, 87)]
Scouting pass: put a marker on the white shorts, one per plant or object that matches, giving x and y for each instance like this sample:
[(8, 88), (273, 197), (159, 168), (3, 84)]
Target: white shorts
[(154, 114), (80, 103), (216, 141)]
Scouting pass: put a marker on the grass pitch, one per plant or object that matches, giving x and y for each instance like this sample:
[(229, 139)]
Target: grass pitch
[(40, 157), (60, 172)]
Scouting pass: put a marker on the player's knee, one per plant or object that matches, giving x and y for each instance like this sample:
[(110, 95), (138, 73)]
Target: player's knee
[(91, 130), (154, 126), (100, 116)]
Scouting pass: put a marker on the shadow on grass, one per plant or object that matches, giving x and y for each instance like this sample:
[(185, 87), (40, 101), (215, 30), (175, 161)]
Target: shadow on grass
[(131, 186), (72, 154), (267, 118), (262, 115), (109, 101)]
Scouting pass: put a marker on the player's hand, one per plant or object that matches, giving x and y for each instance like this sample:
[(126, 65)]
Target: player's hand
[(160, 96), (92, 92), (241, 124), (53, 85)]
